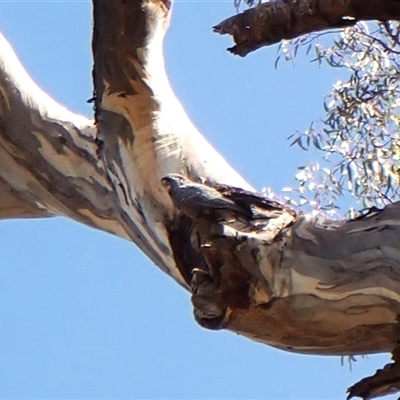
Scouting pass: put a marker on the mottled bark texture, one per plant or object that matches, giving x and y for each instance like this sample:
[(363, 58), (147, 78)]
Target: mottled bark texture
[(293, 281), (275, 20)]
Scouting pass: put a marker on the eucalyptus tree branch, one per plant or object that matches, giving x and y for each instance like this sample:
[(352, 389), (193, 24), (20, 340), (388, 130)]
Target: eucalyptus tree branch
[(47, 154), (274, 21), (290, 280)]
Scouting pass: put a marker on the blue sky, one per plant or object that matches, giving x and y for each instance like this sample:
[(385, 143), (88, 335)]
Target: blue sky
[(84, 314)]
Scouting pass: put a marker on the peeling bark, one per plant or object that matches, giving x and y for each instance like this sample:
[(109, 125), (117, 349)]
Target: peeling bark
[(292, 281), (274, 21)]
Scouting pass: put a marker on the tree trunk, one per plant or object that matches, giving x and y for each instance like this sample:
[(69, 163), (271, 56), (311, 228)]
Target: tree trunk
[(287, 279)]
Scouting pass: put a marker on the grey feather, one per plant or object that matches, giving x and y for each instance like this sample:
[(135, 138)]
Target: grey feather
[(201, 201)]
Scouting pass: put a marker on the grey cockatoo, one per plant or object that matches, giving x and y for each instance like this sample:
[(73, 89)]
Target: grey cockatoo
[(201, 201)]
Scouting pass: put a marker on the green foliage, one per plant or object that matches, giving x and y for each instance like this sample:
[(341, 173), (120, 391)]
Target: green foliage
[(359, 138), (248, 3)]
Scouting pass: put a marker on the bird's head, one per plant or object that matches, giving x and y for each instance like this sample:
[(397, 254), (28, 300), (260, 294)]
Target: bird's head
[(172, 181)]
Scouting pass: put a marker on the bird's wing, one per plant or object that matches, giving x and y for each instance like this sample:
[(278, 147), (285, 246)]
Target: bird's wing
[(205, 197)]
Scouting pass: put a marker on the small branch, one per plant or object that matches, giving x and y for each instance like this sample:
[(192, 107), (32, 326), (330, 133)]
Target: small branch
[(384, 382), (274, 21)]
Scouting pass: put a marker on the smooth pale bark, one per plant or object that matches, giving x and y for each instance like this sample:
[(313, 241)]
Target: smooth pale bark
[(293, 281), (275, 20)]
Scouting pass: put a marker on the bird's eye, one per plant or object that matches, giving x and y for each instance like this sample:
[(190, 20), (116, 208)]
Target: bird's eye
[(165, 182)]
